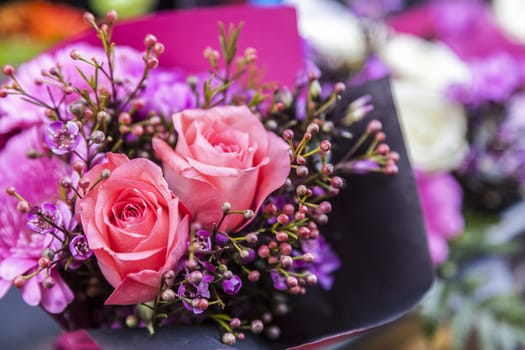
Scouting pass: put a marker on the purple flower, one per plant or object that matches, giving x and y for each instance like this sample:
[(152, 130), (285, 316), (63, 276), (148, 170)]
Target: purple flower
[(362, 166), (62, 138), (441, 201), (203, 240), (221, 239), (188, 292), (167, 92), (232, 286), (279, 281), (326, 262), (372, 70), (494, 78), (20, 249), (375, 8), (44, 219), (79, 248)]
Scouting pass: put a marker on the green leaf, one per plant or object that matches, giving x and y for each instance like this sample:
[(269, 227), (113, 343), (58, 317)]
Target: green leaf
[(461, 326)]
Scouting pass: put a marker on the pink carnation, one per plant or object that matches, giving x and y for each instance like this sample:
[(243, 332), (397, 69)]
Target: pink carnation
[(36, 180), (441, 200)]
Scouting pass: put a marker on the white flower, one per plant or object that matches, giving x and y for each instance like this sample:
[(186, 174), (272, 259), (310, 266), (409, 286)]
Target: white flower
[(332, 30), (434, 127), (430, 63), (509, 15)]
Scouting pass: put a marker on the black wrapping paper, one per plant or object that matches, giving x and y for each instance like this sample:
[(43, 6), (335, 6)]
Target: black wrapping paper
[(378, 232)]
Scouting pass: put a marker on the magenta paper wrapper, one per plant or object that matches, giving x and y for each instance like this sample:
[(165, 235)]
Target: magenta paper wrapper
[(376, 229)]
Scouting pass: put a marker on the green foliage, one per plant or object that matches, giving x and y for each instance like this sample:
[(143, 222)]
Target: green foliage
[(492, 323)]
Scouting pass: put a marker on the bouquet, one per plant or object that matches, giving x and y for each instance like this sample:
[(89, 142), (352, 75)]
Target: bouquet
[(138, 196)]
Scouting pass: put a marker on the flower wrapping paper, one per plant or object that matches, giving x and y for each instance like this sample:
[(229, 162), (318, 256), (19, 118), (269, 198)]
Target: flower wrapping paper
[(385, 266)]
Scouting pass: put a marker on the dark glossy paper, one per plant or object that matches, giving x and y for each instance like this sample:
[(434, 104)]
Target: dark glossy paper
[(377, 231)]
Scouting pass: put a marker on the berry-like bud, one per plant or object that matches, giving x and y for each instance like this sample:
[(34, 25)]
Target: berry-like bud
[(168, 294), (248, 214), (308, 257), (98, 137), (311, 279), (263, 251), (112, 16), (281, 236), (48, 253), (254, 275), (22, 207), (273, 332), (158, 48), (315, 88), (84, 182), (150, 40), (88, 18), (288, 134), (44, 262), (302, 171), (257, 326), (48, 282), (283, 219), (132, 321), (79, 165), (152, 62), (325, 146), (103, 117), (8, 69), (195, 277), (228, 338), (235, 322), (19, 281), (124, 118), (286, 261), (251, 238), (339, 88), (292, 281), (226, 207), (10, 190), (374, 126), (285, 248), (74, 54), (105, 173), (325, 207), (313, 128)]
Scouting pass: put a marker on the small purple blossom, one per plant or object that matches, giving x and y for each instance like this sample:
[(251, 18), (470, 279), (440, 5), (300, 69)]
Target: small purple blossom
[(221, 239), (363, 166), (494, 78), (373, 69), (279, 281), (375, 8), (232, 286), (62, 138), (325, 260), (188, 292), (79, 248), (44, 219), (203, 240)]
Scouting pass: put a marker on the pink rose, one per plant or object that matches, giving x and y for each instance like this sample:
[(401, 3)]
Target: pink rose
[(223, 154), (135, 226)]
